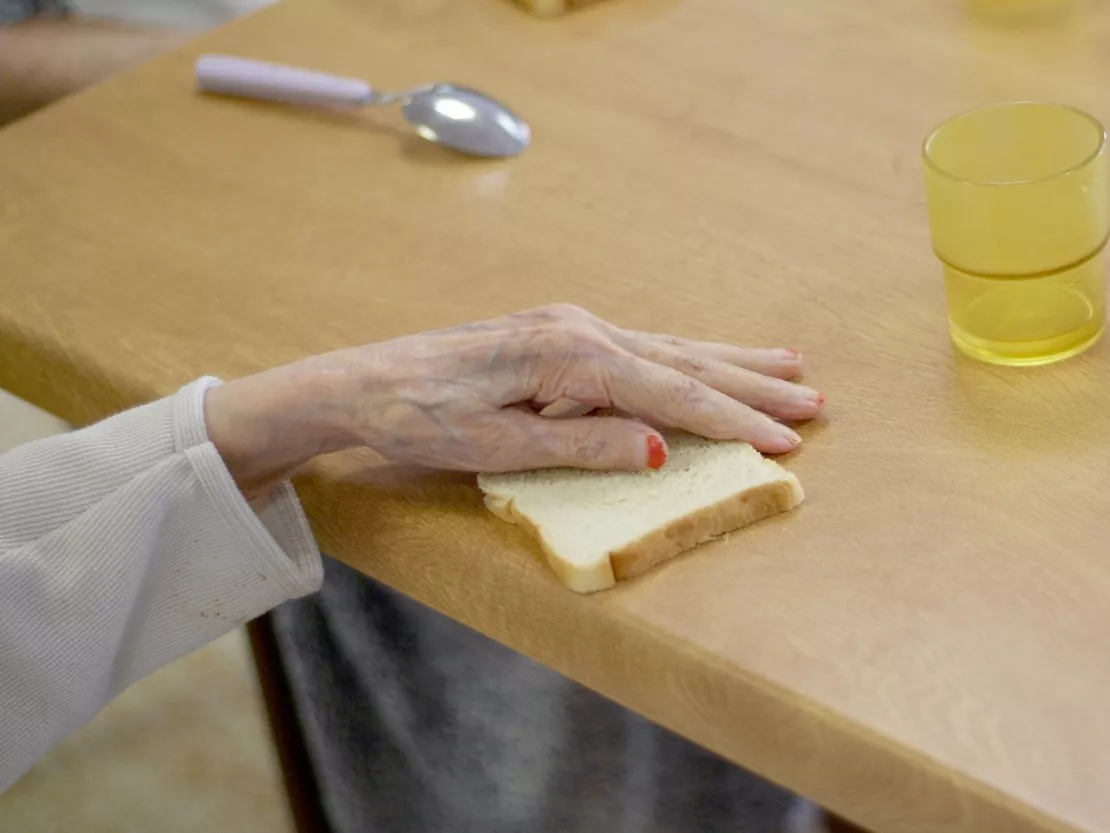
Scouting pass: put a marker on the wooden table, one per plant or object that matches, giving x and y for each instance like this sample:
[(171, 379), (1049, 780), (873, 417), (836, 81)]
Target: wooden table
[(923, 646)]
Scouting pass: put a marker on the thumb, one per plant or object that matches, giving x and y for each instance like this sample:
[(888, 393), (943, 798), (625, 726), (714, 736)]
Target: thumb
[(601, 443)]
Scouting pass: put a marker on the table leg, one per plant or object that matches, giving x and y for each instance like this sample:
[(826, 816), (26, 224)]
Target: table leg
[(835, 824), (807, 817)]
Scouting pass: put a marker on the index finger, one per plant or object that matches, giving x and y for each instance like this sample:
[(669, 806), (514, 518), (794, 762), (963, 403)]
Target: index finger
[(666, 397)]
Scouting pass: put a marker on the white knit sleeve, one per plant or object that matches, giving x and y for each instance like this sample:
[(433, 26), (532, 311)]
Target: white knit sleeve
[(123, 547)]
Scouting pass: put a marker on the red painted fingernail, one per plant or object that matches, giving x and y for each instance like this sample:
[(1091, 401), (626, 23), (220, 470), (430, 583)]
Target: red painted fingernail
[(821, 399), (657, 452)]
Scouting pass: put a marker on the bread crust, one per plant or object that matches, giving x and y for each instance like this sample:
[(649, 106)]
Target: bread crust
[(687, 532), (734, 512)]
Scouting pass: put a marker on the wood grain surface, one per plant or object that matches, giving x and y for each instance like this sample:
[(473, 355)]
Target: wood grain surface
[(922, 647)]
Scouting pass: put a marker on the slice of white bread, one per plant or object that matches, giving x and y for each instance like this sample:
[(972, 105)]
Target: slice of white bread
[(598, 528), (545, 8), (552, 8)]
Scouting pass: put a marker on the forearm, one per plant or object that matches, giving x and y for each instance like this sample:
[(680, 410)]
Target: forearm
[(43, 60), (122, 547), (268, 425)]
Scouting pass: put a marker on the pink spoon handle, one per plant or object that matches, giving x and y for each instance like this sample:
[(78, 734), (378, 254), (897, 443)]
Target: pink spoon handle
[(228, 75)]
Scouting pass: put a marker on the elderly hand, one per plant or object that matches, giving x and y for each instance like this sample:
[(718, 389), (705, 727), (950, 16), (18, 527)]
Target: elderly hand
[(467, 398)]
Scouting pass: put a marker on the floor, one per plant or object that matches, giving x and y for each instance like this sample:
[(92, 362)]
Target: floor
[(186, 749)]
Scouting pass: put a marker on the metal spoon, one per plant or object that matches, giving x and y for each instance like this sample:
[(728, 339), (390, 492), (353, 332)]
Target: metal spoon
[(457, 117)]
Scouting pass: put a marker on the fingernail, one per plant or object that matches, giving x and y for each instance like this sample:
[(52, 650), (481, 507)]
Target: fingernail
[(791, 435), (794, 354), (657, 451), (821, 399)]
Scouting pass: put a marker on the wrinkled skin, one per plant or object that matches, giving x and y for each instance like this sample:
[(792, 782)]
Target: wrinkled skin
[(467, 398)]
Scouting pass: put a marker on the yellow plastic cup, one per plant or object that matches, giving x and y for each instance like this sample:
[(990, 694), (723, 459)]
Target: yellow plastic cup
[(1019, 211)]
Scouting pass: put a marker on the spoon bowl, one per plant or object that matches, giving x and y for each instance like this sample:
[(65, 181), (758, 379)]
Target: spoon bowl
[(466, 120)]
